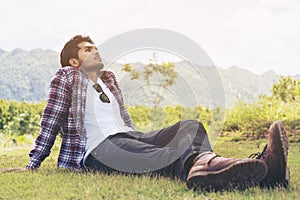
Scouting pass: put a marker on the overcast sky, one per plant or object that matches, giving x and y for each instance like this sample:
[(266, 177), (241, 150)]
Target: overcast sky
[(258, 35)]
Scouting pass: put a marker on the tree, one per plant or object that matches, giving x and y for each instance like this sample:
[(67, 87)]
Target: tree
[(286, 89), (163, 75)]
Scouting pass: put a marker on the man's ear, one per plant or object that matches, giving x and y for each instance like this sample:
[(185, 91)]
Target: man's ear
[(74, 62)]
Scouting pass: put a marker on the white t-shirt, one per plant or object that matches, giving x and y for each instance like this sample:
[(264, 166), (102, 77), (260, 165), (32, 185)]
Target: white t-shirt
[(101, 119)]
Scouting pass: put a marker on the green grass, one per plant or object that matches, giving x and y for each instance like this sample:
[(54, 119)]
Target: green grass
[(52, 183)]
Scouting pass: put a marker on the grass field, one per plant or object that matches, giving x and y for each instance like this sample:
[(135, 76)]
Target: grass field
[(52, 183)]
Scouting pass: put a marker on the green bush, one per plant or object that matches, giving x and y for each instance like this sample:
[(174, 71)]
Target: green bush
[(250, 119), (20, 118)]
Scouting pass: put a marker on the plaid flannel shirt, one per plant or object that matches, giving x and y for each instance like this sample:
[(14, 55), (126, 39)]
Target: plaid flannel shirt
[(65, 111)]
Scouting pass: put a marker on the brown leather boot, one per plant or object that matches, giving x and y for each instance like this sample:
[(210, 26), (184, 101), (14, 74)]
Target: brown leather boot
[(212, 172), (275, 156)]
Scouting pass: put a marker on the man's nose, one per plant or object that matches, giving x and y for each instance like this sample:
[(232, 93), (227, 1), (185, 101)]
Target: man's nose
[(96, 52)]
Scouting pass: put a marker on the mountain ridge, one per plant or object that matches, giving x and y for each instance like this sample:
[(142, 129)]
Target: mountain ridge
[(25, 75)]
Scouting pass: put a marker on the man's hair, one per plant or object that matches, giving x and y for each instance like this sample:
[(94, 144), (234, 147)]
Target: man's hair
[(71, 49)]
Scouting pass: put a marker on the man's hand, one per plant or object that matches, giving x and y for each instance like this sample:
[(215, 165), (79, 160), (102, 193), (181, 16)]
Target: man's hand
[(17, 169)]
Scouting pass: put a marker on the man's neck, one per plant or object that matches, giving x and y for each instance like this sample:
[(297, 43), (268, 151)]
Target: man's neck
[(93, 75)]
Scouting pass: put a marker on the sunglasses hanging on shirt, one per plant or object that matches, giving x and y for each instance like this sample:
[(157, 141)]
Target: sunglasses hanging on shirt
[(103, 97)]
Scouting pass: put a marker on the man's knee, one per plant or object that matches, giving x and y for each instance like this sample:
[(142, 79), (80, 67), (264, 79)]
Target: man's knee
[(193, 124)]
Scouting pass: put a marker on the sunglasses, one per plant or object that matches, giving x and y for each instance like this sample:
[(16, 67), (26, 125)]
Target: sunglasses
[(103, 97)]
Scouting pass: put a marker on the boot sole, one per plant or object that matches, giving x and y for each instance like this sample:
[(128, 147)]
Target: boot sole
[(281, 142), (240, 175)]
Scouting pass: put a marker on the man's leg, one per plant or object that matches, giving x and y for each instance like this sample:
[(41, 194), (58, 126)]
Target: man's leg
[(172, 151), (124, 153), (206, 170), (169, 151), (188, 137)]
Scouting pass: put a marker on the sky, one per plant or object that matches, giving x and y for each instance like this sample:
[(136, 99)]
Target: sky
[(258, 35)]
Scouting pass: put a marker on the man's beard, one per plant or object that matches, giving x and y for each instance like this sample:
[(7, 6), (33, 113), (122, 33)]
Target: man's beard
[(92, 68)]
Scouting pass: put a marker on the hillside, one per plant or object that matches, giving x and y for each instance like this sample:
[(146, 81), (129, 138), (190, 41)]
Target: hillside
[(25, 75)]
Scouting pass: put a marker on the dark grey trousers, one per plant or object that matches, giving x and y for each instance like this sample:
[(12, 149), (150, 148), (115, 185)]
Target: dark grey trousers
[(168, 152)]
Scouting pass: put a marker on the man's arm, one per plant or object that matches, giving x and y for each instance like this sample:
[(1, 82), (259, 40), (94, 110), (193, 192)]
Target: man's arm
[(54, 115)]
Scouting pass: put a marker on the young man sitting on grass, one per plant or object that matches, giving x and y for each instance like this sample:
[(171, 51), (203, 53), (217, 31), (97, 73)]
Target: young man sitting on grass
[(86, 104)]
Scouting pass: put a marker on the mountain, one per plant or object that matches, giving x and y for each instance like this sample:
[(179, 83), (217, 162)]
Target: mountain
[(241, 84), (25, 75), (195, 85)]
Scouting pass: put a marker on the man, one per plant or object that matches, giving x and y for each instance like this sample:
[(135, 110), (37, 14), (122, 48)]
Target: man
[(86, 104)]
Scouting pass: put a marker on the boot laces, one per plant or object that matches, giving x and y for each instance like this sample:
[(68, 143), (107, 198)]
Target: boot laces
[(259, 154)]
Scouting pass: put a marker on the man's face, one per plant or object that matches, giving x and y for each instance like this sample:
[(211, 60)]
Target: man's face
[(88, 57)]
